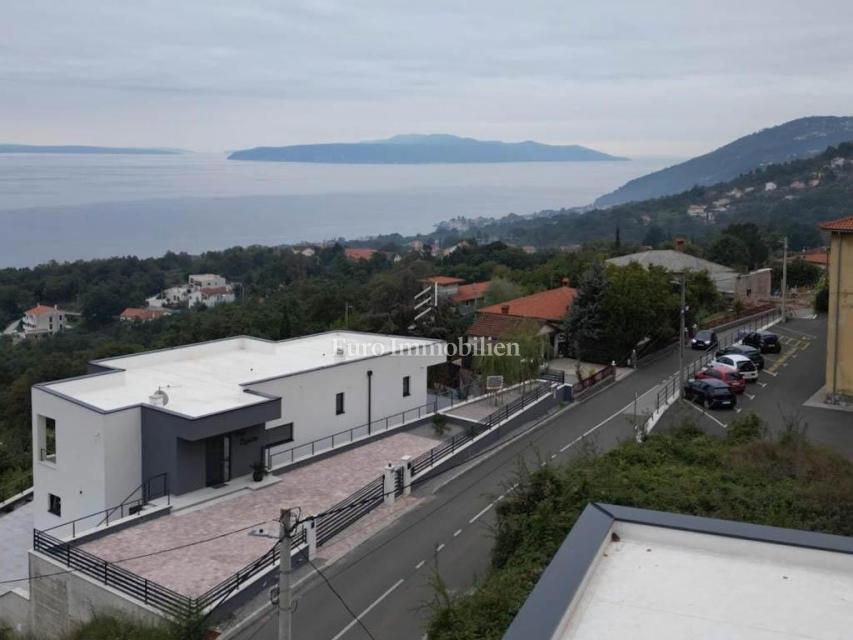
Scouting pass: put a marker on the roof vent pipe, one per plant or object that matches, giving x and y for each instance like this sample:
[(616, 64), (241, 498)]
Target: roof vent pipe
[(159, 398)]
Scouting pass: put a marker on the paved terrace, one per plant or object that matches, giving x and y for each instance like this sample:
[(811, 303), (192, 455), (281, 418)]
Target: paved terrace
[(193, 570)]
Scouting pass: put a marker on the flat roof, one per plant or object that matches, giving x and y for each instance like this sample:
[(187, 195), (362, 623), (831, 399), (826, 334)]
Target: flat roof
[(644, 575), (210, 377)]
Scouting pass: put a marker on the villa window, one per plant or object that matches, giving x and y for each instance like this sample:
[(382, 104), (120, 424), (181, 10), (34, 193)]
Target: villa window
[(339, 403), (47, 439), (54, 504), (407, 391)]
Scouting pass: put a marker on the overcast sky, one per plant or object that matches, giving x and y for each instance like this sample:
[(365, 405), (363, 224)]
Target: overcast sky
[(639, 77)]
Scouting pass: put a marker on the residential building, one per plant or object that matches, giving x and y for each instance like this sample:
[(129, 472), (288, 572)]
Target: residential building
[(470, 297), (749, 288), (204, 413), (817, 257), (839, 339), (43, 320), (136, 314), (770, 186), (546, 310), (357, 254), (211, 296), (633, 573), (799, 185), (206, 281), (696, 210)]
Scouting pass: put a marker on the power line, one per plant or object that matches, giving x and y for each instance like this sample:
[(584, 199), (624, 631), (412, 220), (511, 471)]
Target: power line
[(144, 555), (341, 598)]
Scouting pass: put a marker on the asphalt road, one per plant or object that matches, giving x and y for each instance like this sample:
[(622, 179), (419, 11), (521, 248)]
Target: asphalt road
[(386, 582)]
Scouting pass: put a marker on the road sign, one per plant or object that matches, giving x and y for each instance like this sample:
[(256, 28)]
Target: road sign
[(493, 383)]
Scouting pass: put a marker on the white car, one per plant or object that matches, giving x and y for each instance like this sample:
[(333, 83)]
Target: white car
[(742, 364)]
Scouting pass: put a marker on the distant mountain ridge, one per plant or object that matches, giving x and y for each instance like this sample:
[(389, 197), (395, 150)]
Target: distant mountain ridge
[(84, 149), (424, 149), (801, 138)]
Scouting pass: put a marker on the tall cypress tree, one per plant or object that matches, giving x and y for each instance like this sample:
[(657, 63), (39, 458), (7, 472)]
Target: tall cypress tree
[(584, 325)]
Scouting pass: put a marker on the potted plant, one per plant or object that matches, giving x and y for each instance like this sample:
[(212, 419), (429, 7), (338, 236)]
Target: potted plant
[(439, 424), (259, 469)]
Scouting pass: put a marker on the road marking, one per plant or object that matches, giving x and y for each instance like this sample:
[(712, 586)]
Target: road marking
[(705, 413), (457, 532), (802, 333), (749, 395), (738, 409), (768, 372), (343, 631), (482, 512), (763, 384), (437, 549), (419, 565)]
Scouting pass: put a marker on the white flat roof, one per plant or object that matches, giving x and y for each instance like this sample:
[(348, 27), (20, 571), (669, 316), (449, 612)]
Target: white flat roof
[(657, 583), (210, 377)]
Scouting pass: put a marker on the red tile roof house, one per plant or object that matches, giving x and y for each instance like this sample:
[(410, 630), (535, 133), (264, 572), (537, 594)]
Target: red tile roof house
[(548, 309), (355, 254), (469, 297), (42, 320), (134, 314)]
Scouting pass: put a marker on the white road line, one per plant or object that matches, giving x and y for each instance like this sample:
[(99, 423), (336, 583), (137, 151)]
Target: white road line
[(439, 547), (482, 512), (705, 413), (457, 532), (738, 409), (343, 631), (770, 373), (419, 565), (763, 384), (604, 422), (749, 395)]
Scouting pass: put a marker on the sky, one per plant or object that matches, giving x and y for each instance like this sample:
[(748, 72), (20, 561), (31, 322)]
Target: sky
[(636, 78)]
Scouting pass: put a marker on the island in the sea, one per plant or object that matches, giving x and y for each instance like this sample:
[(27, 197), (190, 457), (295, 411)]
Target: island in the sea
[(424, 149), (83, 149)]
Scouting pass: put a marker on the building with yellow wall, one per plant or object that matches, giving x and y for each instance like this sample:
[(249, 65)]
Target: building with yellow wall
[(839, 341)]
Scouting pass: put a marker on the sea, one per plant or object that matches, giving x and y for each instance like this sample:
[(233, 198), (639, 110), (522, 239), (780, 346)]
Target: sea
[(67, 207)]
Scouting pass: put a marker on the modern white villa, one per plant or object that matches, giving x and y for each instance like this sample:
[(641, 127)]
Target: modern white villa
[(202, 414), (208, 289)]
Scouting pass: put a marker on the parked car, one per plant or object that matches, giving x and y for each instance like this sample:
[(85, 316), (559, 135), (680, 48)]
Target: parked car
[(742, 364), (764, 341), (710, 393), (705, 340), (744, 350), (732, 377)]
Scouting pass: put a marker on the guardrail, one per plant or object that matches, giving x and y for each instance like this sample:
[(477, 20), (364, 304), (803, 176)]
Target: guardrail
[(148, 591), (348, 436)]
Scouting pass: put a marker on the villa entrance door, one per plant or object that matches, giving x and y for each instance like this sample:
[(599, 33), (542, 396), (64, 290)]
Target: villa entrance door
[(217, 460)]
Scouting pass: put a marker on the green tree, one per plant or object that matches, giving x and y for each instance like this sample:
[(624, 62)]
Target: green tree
[(101, 304), (585, 323), (501, 290)]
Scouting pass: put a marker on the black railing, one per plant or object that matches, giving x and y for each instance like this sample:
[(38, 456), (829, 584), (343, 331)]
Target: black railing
[(153, 488), (352, 508), (127, 582), (553, 375), (348, 436), (437, 454)]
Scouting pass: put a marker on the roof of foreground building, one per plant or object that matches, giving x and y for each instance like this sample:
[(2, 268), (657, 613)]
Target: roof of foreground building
[(632, 573)]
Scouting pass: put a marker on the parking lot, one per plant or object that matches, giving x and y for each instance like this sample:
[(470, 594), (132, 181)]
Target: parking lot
[(787, 381)]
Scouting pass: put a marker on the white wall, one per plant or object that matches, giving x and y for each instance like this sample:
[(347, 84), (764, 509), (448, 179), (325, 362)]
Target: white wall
[(308, 399), (85, 441)]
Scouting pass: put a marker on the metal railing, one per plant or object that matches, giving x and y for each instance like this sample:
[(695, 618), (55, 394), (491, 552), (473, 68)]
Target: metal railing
[(553, 375), (153, 488), (348, 436), (581, 386), (359, 504), (127, 582), (437, 454)]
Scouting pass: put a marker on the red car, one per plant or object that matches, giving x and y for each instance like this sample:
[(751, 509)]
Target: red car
[(730, 376)]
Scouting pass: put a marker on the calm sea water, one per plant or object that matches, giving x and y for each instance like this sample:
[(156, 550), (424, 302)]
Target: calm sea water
[(63, 207)]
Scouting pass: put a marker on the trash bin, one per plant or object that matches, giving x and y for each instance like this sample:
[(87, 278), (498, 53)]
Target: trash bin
[(567, 393)]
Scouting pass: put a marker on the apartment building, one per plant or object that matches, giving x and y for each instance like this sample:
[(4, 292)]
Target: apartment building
[(42, 320), (208, 289), (204, 413)]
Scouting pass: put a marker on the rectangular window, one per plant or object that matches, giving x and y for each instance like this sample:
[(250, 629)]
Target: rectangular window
[(48, 442), (282, 434), (406, 386), (339, 403), (54, 504)]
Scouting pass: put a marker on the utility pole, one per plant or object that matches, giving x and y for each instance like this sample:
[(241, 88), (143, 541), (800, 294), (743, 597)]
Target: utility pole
[(284, 568), (681, 339), (784, 277)]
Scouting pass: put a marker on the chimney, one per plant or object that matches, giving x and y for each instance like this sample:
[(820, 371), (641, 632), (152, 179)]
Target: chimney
[(505, 309), (158, 398), (679, 244), (566, 282)]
